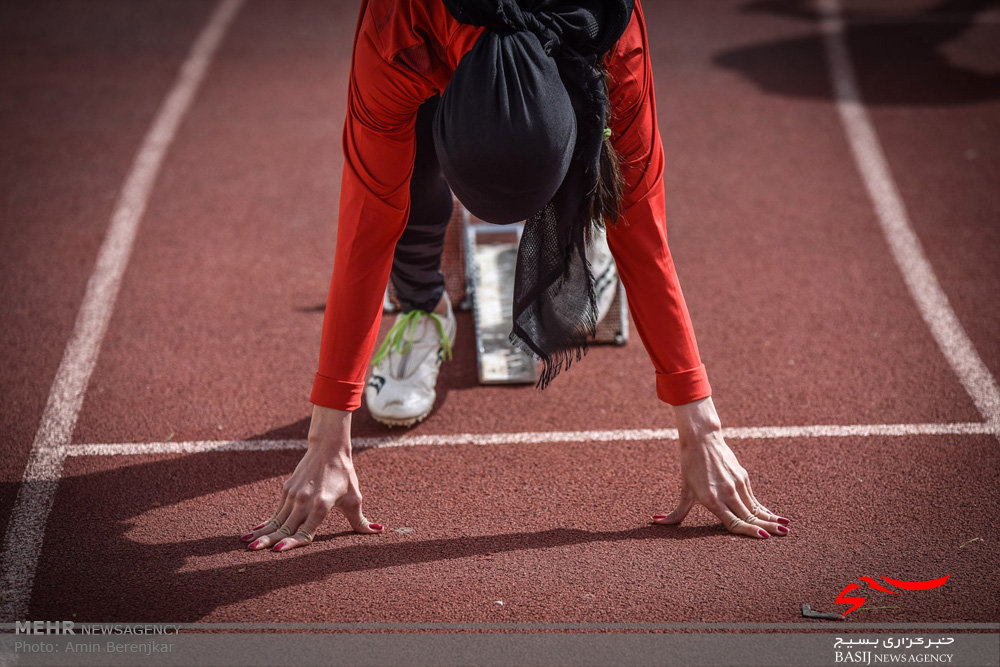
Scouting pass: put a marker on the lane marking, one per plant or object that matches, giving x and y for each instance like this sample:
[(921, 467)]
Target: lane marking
[(26, 528), (931, 300), (536, 437)]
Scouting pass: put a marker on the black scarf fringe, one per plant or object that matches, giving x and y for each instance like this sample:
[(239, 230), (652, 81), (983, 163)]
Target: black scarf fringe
[(555, 362)]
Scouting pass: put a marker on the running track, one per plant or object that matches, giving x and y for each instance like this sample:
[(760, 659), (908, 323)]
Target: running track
[(832, 191)]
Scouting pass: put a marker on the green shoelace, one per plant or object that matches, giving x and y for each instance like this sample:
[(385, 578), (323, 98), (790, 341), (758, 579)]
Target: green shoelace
[(401, 335)]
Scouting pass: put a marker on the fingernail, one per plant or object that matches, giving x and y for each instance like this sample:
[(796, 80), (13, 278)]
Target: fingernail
[(375, 526), (763, 533), (260, 526), (782, 530), (247, 537), (280, 546), (255, 544), (783, 521), (659, 516)]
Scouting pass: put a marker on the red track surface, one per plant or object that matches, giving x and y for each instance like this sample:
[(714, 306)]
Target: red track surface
[(802, 316)]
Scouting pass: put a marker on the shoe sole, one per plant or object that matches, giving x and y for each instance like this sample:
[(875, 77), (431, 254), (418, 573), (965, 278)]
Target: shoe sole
[(409, 421)]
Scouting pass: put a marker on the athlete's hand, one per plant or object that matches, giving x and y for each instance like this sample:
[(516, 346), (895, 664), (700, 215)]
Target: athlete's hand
[(323, 480), (711, 475)]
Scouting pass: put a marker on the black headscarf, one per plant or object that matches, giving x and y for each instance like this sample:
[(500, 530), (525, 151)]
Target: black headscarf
[(519, 133)]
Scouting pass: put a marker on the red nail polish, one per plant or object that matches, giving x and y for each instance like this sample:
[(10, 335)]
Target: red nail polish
[(280, 546), (783, 521), (260, 526), (763, 533), (376, 526), (255, 544), (659, 516), (782, 530), (247, 537)]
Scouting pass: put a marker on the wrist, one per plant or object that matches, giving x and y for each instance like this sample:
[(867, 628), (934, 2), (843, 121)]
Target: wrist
[(330, 432), (697, 420)]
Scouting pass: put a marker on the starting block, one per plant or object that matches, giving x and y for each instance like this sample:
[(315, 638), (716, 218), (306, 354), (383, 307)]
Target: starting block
[(486, 260)]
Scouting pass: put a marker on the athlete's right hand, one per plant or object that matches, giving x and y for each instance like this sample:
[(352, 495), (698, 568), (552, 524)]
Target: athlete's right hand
[(323, 480)]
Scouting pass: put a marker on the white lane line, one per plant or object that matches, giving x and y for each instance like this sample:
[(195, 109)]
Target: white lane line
[(538, 437), (903, 242), (26, 529)]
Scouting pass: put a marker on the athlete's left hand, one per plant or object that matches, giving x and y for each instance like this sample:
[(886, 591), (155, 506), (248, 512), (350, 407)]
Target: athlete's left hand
[(711, 475)]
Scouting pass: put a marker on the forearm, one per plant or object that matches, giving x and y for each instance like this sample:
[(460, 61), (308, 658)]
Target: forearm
[(374, 199), (638, 240), (367, 233), (655, 299)]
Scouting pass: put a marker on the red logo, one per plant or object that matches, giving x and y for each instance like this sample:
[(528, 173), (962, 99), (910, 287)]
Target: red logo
[(843, 598)]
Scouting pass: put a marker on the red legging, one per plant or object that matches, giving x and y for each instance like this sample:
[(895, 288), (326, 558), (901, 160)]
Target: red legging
[(404, 53)]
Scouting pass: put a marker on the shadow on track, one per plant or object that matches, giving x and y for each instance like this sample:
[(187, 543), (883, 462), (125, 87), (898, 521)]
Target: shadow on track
[(899, 58), (157, 582)]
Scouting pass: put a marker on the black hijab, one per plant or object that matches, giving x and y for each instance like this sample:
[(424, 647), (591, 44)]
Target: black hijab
[(519, 133)]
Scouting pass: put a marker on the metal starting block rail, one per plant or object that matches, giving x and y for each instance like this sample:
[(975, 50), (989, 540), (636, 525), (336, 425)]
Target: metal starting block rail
[(490, 259)]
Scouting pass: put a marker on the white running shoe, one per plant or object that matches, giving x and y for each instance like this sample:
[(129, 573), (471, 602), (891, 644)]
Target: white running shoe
[(401, 390)]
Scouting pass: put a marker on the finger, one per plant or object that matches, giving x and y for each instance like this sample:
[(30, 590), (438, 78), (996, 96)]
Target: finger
[(735, 524), (680, 511), (762, 511), (739, 507), (764, 518), (284, 508), (306, 532), (771, 527), (734, 514), (264, 541), (299, 538), (272, 524), (287, 527), (350, 506), (268, 526)]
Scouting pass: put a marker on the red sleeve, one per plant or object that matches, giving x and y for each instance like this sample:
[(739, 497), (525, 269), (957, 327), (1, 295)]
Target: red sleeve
[(382, 101), (639, 239)]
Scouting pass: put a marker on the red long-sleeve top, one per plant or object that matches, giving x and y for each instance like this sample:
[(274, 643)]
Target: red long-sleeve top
[(405, 51)]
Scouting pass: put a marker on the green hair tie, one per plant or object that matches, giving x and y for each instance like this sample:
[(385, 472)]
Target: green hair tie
[(607, 133)]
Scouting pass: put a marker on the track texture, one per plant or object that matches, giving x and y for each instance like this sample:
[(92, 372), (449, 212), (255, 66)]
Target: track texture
[(801, 312)]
